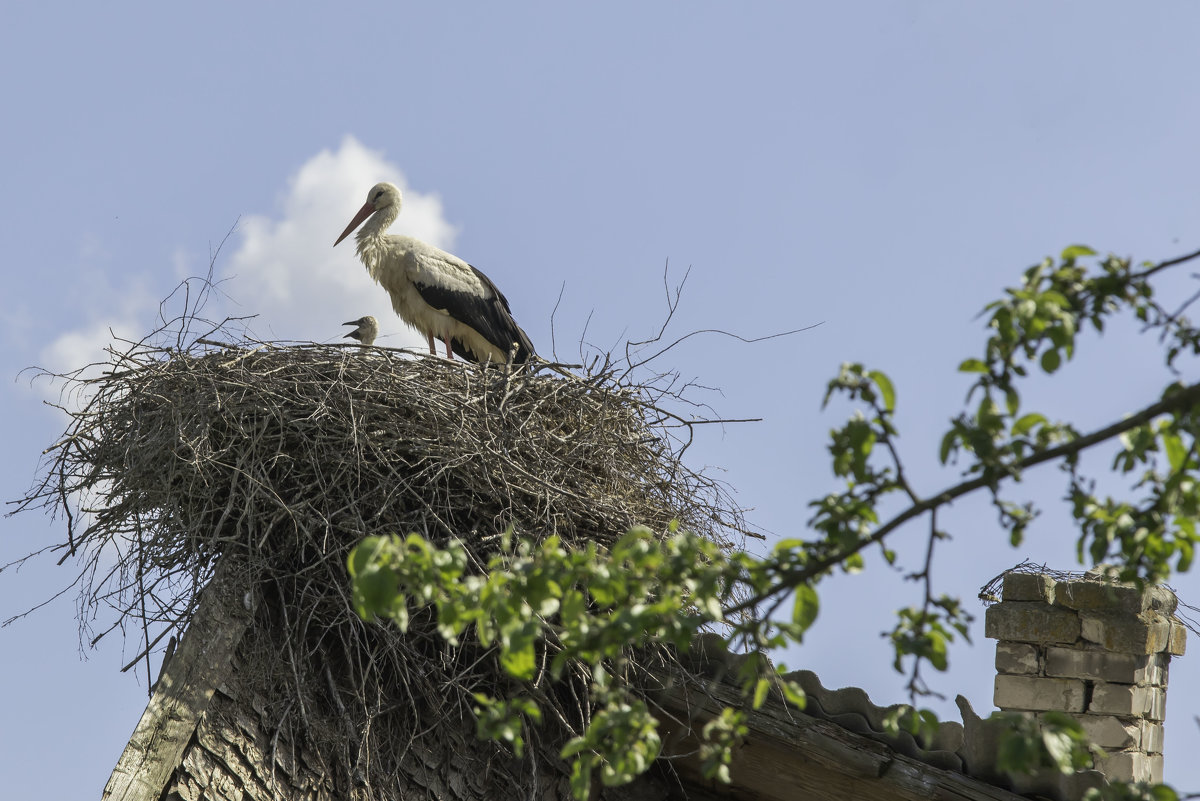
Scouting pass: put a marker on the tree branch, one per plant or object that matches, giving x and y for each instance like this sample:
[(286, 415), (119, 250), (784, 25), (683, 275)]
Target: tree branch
[(1188, 396), (1162, 265)]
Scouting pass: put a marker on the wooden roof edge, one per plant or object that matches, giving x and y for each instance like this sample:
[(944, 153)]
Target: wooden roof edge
[(200, 664)]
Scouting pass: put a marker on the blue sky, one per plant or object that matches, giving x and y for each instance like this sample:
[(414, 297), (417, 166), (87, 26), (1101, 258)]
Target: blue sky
[(881, 168)]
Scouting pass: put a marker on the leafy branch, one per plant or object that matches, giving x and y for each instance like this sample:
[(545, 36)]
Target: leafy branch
[(1178, 399), (546, 609)]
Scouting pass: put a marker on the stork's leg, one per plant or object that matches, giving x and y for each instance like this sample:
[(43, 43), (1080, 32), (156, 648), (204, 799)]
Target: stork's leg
[(449, 352), (432, 349)]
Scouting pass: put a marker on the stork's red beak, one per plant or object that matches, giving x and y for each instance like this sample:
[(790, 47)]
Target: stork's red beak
[(366, 211)]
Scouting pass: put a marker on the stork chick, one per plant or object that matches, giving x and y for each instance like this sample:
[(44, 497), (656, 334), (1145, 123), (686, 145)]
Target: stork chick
[(368, 329), (436, 292)]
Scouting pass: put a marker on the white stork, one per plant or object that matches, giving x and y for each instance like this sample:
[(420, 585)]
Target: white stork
[(435, 292), (368, 329)]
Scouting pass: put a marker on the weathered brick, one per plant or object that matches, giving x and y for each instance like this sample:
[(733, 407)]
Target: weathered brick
[(1026, 621), (1155, 671), (1158, 599), (1161, 600), (1108, 731), (1100, 595), (1028, 587), (1177, 638), (1106, 665), (1146, 633), (1016, 657), (1132, 766), (1152, 737), (1039, 694), (1127, 701)]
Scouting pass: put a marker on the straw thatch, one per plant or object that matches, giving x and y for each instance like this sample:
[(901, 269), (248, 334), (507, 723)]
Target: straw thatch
[(275, 460)]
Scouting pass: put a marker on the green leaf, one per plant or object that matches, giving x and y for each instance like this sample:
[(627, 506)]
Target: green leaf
[(761, 688), (1051, 360), (1027, 422), (451, 621), (575, 745), (364, 554), (805, 606), (972, 366), (602, 592), (1176, 452), (1163, 792), (1012, 400), (1016, 753), (1076, 251), (948, 442), (794, 693), (1056, 299), (517, 652), (581, 778), (886, 390), (574, 606), (792, 544), (1058, 746), (937, 650), (375, 591), (712, 607), (1186, 550)]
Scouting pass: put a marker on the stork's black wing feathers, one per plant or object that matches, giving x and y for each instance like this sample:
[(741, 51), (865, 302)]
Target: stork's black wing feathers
[(491, 317), (511, 331)]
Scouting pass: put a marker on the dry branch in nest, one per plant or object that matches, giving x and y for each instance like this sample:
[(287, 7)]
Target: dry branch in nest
[(278, 459)]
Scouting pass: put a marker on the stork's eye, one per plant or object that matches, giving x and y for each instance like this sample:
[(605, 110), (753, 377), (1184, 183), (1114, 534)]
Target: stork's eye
[(378, 195)]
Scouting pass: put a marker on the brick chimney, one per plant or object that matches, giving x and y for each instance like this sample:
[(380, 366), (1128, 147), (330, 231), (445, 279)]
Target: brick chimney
[(1095, 648)]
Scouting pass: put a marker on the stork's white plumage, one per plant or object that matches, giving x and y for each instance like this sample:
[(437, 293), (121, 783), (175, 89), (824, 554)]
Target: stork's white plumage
[(367, 330), (435, 292)]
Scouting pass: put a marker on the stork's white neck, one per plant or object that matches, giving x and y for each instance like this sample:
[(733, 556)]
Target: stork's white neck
[(378, 223), (370, 235)]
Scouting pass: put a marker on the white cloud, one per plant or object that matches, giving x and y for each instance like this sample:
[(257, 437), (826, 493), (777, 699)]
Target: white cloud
[(287, 271), (284, 268)]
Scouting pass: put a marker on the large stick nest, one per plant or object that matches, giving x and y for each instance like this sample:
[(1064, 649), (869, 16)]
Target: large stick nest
[(278, 459)]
